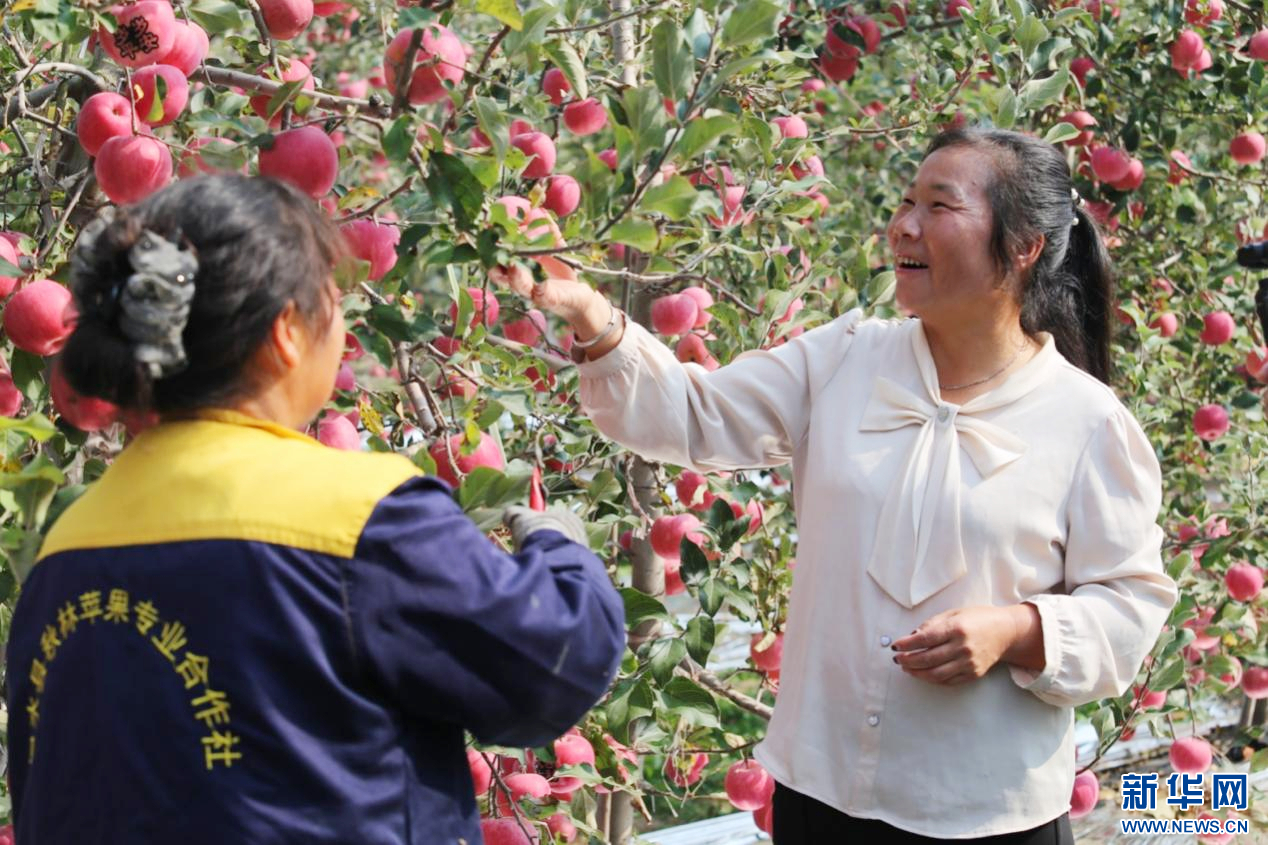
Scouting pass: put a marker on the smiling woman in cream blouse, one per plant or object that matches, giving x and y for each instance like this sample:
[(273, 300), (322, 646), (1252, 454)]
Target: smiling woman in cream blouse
[(978, 551)]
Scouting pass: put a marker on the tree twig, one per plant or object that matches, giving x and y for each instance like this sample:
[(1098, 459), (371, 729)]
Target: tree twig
[(705, 678), (260, 85)]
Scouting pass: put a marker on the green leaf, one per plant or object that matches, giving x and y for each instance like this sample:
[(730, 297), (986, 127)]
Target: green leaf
[(36, 426), (388, 320), (645, 115), (1006, 109), (702, 133), (754, 20), (665, 657), (699, 34), (691, 701), (565, 57), (699, 638), (676, 198), (695, 566), (216, 16), (283, 95), (504, 10), (671, 60), (493, 123), (1259, 761), (639, 234), (1169, 675), (452, 185), (1037, 93), (7, 269), (160, 96), (880, 288), (630, 702), (1030, 35), (1061, 132), (640, 606), (399, 139)]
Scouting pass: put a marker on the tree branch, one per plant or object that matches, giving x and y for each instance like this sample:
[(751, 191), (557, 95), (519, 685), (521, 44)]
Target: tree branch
[(260, 85)]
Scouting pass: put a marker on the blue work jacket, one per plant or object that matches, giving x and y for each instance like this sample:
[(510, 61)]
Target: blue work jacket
[(238, 635)]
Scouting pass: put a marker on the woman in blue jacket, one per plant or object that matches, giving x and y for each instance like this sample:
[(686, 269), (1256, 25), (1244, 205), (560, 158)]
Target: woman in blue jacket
[(238, 635)]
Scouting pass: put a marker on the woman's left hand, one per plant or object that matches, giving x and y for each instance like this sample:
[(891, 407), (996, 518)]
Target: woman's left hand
[(962, 645)]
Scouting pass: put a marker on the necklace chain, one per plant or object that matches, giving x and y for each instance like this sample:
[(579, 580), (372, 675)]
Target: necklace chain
[(1011, 361)]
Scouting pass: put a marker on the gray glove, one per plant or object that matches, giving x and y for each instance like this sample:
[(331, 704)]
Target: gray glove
[(524, 522)]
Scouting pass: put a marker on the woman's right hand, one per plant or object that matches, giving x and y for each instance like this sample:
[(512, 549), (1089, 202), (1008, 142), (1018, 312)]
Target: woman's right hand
[(560, 293)]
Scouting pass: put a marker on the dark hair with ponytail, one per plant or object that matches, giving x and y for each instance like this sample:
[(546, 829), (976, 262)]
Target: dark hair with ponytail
[(259, 243), (1069, 290)]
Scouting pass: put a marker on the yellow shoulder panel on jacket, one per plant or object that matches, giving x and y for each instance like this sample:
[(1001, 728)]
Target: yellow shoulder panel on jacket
[(229, 476)]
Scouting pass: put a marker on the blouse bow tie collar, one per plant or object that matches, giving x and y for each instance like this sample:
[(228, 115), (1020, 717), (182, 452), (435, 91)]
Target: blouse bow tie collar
[(925, 494)]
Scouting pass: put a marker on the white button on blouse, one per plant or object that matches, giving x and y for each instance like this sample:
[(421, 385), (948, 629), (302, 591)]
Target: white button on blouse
[(1042, 490)]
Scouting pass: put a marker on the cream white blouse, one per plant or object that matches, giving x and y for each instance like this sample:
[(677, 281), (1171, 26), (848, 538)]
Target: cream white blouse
[(1043, 490)]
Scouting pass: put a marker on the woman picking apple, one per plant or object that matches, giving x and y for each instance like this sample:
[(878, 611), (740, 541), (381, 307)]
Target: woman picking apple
[(978, 548), (238, 634)]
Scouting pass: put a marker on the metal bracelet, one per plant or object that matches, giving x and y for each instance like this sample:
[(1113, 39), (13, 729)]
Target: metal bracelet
[(607, 330)]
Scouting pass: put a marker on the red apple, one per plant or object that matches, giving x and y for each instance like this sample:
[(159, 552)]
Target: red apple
[(609, 157), (1186, 50), (189, 47), (338, 432), (585, 117), (668, 531), (754, 511), (749, 786), (1087, 791), (1210, 422), (1080, 68), (693, 491), (1134, 179), (769, 658), (839, 64), (1166, 323), (1256, 359), (1247, 148), (555, 84), (1178, 167), (763, 820), (345, 379), (440, 59), (541, 150), (1255, 682), (1082, 120), (791, 126), (373, 242), (485, 454), (570, 750), (958, 8), (485, 308), (1244, 581), (1258, 45), (144, 33), (35, 318), (11, 398), (103, 116), (527, 329), (563, 195), (305, 157), (9, 253), (1190, 755), (674, 314), (1217, 328), (704, 301), (286, 18), (1110, 163), (83, 412), (691, 348), (561, 827), (508, 830), (145, 94)]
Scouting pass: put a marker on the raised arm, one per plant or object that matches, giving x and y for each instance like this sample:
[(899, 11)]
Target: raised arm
[(750, 413)]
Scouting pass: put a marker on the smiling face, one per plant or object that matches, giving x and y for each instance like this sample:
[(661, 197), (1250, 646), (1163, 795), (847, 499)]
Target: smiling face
[(940, 236)]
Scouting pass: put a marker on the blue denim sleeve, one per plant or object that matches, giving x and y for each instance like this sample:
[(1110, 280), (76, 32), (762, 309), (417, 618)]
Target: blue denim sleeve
[(513, 647)]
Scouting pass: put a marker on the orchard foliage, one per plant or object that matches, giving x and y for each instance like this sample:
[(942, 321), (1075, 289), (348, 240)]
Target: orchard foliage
[(722, 169)]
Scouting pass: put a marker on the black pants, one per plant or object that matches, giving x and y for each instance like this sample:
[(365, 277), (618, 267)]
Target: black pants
[(799, 819)]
